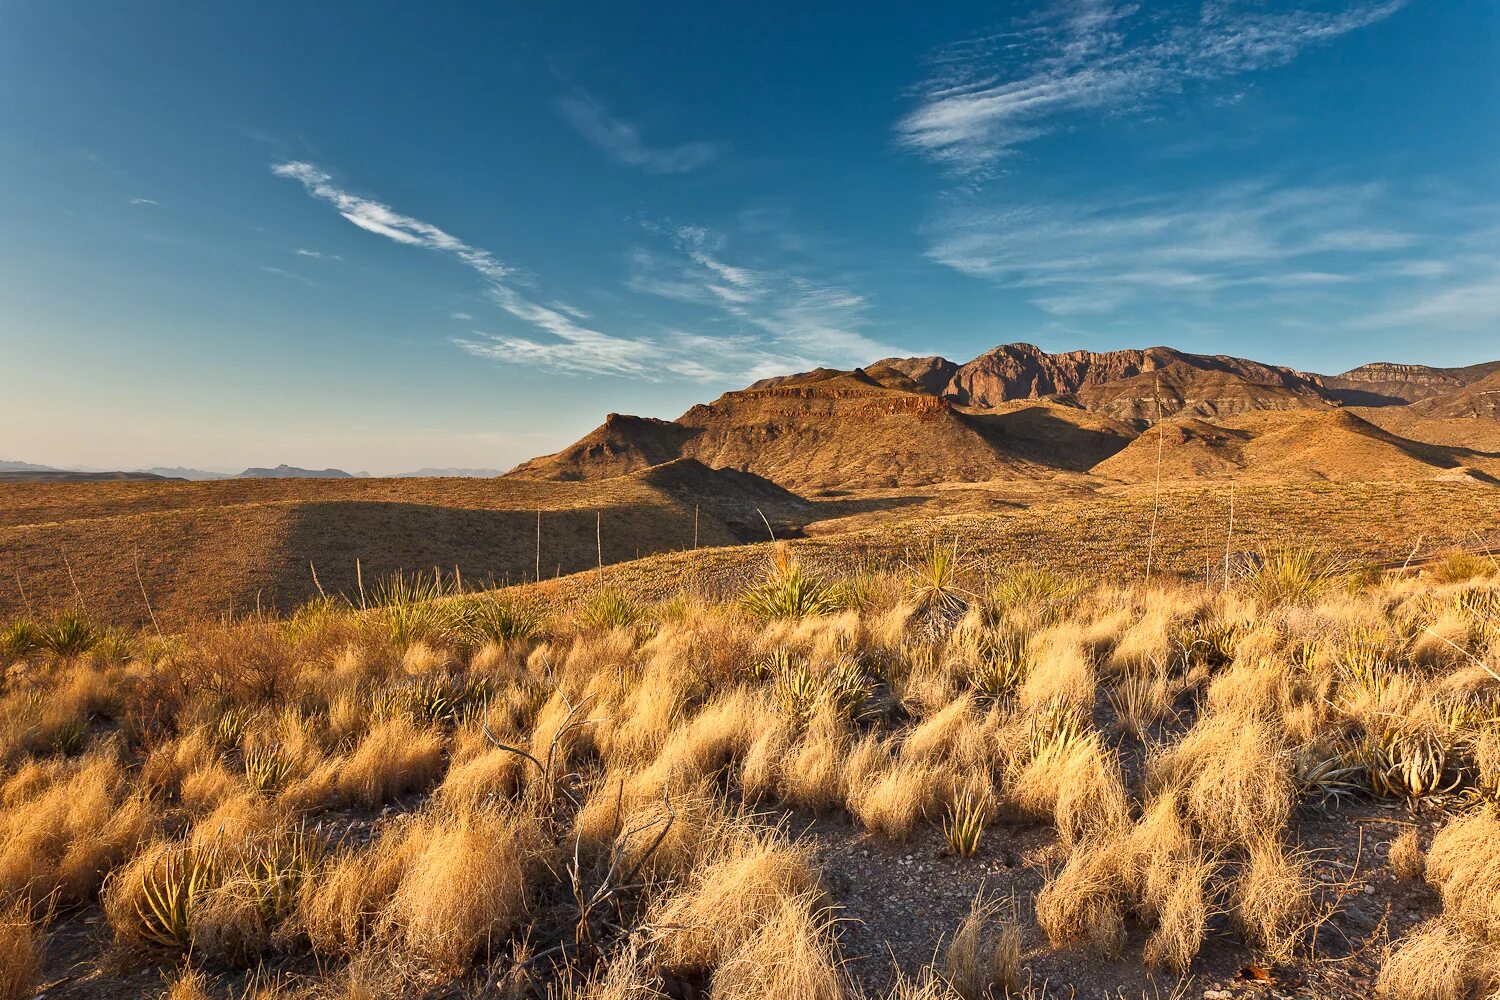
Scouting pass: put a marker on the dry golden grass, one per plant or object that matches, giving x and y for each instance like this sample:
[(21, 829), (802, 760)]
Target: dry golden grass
[(731, 897), (1406, 857), (1437, 962), (21, 945), (1463, 863), (983, 959), (395, 757), (464, 888), (793, 955), (491, 787)]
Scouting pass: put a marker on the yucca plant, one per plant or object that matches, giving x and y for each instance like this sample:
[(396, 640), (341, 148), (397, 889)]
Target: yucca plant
[(1138, 700), (267, 768), (610, 608), (932, 582), (167, 899), (410, 607), (492, 618), (21, 637), (70, 737), (789, 591), (69, 634), (1001, 663), (777, 662), (798, 691), (963, 827), (846, 688), (1289, 576), (1036, 590)]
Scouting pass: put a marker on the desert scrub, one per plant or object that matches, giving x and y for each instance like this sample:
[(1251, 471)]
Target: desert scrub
[(21, 950), (789, 591)]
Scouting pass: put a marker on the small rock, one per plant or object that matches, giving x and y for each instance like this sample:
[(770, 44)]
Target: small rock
[(1216, 995), (1369, 890)]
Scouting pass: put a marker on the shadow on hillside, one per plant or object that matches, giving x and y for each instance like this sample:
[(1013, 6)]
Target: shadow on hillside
[(484, 547), (1038, 435)]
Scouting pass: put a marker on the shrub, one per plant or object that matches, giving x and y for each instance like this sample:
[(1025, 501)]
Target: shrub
[(789, 591), (610, 608)]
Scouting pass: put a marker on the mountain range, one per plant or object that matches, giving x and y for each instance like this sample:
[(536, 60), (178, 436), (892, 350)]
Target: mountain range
[(1020, 412)]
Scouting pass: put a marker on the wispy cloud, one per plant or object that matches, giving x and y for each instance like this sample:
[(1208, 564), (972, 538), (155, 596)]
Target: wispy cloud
[(991, 94), (784, 319), (1092, 257), (622, 140), (574, 349), (289, 275), (1469, 302), (144, 201)]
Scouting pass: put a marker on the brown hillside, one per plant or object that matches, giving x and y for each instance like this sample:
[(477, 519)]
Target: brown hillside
[(1457, 432), (1384, 383), (206, 549), (1021, 371), (1479, 399), (1296, 445), (818, 430)]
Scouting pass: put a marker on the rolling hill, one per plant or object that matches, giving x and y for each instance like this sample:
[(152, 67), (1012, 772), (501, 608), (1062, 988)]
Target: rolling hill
[(1337, 446)]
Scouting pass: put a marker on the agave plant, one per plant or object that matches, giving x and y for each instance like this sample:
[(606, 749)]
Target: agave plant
[(169, 894), (1326, 775), (963, 826), (277, 873), (1409, 764)]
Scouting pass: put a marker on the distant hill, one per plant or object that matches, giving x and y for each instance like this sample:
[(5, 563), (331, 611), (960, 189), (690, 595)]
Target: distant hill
[(1329, 445), (292, 472), (1480, 398), (11, 465), (194, 475), (70, 476), (1386, 384)]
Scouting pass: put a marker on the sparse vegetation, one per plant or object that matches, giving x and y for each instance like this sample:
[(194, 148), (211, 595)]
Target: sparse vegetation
[(437, 786)]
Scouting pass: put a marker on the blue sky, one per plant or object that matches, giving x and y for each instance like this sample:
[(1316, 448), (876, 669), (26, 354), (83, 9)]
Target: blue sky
[(383, 236)]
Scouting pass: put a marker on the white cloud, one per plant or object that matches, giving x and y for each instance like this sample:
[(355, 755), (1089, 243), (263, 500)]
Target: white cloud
[(575, 349), (623, 142), (992, 94), (1091, 257), (785, 320), (1469, 303), (289, 275), (144, 201)]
